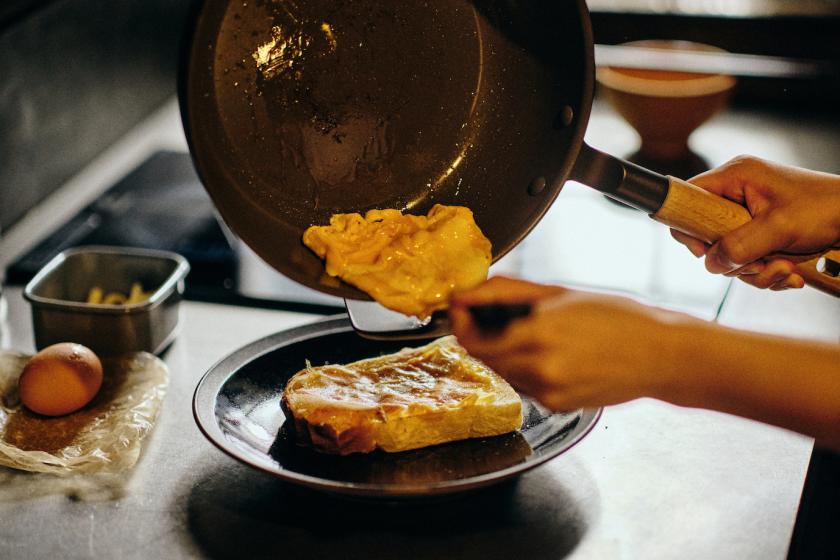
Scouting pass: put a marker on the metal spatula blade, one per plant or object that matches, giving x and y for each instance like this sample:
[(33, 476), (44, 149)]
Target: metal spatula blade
[(373, 321)]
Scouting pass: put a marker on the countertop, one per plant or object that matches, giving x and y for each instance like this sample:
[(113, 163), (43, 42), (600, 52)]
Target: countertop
[(650, 481)]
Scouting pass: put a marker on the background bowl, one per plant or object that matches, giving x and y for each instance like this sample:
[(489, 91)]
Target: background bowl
[(665, 107)]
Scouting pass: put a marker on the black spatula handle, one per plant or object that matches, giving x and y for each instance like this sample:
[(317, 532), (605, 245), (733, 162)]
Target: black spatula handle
[(494, 317)]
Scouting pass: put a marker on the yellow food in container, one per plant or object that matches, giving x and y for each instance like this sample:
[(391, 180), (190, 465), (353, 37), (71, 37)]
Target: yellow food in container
[(96, 296)]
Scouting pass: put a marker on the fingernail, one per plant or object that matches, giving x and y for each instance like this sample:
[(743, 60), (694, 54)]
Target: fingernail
[(754, 268), (796, 282), (792, 284), (697, 252)]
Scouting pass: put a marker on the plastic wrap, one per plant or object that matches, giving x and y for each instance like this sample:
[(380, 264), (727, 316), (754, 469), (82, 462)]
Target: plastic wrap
[(104, 438)]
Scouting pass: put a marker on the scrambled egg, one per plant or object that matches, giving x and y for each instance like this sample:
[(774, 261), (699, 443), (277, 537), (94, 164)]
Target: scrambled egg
[(407, 263)]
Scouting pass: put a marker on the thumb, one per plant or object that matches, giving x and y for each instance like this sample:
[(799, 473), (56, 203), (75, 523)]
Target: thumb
[(749, 242), (501, 289)]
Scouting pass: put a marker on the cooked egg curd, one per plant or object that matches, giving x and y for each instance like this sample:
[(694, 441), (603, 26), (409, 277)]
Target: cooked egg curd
[(408, 263)]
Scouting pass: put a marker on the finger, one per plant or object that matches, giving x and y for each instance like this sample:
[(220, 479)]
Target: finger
[(792, 282), (556, 401), (750, 242), (523, 372), (496, 290), (730, 179), (520, 347), (525, 334), (501, 289), (519, 337), (697, 247), (461, 324), (775, 271), (748, 270)]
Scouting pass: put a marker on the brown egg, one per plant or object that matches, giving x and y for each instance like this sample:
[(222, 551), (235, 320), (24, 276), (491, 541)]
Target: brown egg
[(60, 379)]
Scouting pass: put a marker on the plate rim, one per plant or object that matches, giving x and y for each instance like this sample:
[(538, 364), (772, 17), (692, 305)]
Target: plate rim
[(208, 387)]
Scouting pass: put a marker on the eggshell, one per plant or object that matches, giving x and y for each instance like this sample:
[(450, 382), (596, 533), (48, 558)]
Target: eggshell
[(60, 379)]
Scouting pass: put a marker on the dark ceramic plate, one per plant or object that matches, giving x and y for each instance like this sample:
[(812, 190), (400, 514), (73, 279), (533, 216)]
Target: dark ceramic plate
[(237, 406)]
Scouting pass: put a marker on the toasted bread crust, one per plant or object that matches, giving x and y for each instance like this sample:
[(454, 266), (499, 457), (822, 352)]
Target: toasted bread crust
[(413, 398)]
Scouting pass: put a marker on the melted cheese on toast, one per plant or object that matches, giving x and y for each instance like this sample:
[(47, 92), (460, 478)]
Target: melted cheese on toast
[(414, 398)]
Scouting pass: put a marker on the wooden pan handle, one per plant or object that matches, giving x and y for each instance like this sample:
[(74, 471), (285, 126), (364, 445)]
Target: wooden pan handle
[(709, 217)]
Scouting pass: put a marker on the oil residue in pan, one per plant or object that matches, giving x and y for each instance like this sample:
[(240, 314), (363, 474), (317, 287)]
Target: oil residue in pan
[(325, 98)]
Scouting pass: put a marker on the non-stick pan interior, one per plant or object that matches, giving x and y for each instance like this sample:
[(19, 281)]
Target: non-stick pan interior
[(299, 110)]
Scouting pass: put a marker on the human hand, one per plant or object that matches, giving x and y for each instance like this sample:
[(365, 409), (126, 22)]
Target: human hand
[(575, 349), (794, 210)]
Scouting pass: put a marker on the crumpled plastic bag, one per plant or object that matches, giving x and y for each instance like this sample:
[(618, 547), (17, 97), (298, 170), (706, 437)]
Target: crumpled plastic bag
[(104, 438)]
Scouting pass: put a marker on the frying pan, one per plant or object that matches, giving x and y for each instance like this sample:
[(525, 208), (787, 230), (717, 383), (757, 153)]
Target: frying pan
[(296, 110)]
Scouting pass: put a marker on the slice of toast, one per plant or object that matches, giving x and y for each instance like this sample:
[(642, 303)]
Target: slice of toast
[(413, 398)]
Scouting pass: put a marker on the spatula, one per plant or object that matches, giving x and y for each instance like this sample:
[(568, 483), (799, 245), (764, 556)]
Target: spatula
[(371, 320)]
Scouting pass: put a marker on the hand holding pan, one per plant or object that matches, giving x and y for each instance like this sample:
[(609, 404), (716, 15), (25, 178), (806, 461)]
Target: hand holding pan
[(692, 210), (297, 111)]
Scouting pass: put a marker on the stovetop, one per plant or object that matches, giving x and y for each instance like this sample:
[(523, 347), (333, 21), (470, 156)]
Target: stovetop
[(162, 205), (583, 241)]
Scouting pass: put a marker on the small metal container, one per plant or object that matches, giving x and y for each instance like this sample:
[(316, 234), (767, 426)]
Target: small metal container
[(59, 292)]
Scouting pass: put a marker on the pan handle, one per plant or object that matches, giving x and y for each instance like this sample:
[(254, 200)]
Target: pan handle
[(709, 217), (688, 208), (619, 179)]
